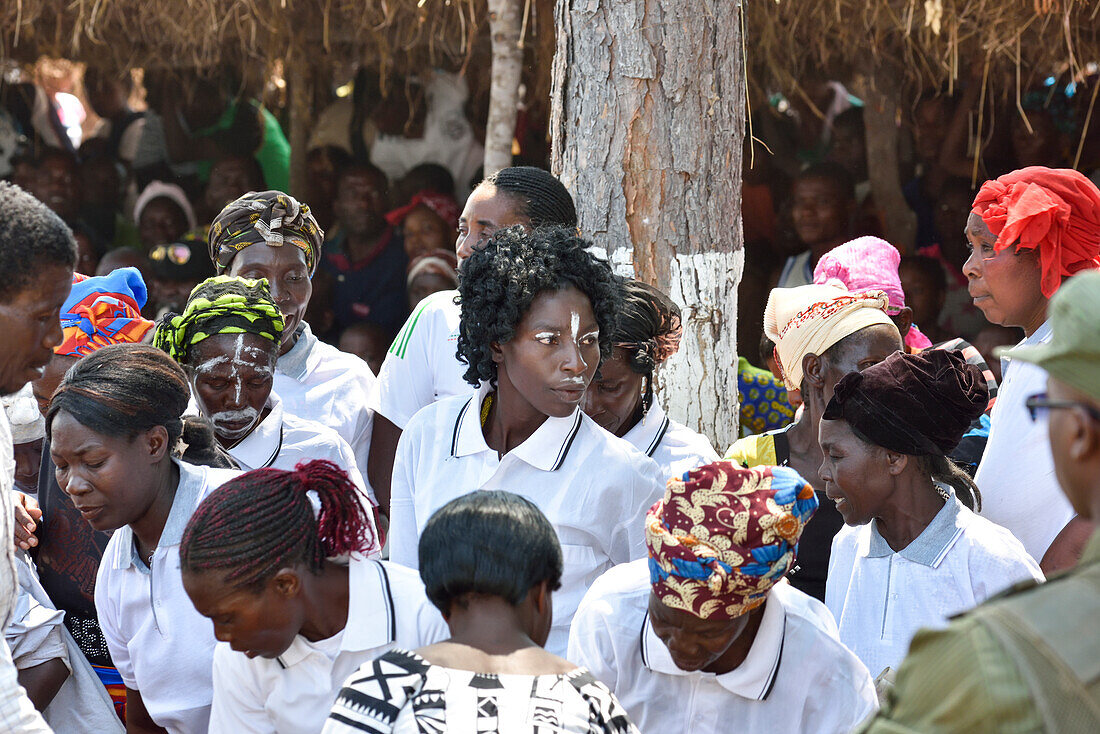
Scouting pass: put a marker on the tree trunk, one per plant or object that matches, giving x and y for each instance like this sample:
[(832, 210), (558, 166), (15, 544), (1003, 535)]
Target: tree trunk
[(647, 120), (504, 25), (301, 96)]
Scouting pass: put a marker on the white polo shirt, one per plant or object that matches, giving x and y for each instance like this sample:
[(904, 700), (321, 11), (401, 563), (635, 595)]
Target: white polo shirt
[(675, 447), (282, 441), (421, 366), (593, 487), (881, 598), (318, 382), (797, 676), (160, 644), (292, 694), (1016, 477)]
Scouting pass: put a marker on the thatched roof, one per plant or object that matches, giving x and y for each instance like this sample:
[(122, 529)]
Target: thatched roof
[(927, 43)]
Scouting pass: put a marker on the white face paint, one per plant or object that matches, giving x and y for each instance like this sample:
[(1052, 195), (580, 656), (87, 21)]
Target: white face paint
[(245, 360), (574, 325), (234, 424)]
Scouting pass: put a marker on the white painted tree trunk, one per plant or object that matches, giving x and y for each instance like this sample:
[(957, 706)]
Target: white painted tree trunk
[(647, 122), (504, 26)]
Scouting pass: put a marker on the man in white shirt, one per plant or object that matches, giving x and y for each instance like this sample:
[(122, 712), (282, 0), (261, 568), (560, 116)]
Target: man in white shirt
[(700, 637)]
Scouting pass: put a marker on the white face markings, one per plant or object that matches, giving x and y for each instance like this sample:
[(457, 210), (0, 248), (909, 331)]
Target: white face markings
[(243, 363), (574, 325)]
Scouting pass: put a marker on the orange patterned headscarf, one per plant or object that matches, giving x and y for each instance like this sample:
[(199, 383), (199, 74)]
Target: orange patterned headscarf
[(1054, 210), (723, 536), (103, 310)]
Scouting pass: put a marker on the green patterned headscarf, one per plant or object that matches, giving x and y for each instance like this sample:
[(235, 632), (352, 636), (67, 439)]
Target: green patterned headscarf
[(220, 305), (265, 217)]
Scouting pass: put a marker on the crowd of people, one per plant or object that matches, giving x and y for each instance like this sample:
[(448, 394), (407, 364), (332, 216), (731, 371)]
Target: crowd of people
[(476, 514)]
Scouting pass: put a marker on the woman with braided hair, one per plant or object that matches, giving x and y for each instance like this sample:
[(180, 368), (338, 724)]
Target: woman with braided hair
[(422, 366), (116, 428), (227, 341), (621, 397), (538, 312), (293, 620)]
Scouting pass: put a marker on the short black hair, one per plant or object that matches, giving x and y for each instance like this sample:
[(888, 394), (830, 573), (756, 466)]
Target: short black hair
[(835, 174), (31, 237), (766, 349), (543, 198), (497, 284), (488, 542)]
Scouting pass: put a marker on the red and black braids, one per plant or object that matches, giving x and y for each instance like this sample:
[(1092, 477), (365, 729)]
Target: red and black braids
[(263, 521)]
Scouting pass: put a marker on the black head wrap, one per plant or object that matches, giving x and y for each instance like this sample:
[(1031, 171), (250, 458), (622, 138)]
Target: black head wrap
[(265, 217), (916, 404)]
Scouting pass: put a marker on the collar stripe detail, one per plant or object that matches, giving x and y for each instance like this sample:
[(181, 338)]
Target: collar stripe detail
[(658, 438), (278, 450), (568, 441), (458, 424), (391, 616), (778, 660)]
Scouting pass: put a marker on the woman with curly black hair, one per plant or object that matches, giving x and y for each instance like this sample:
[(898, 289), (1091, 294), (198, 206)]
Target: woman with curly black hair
[(621, 399), (537, 316)]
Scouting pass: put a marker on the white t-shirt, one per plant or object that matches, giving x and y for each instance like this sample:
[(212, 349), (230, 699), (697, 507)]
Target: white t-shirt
[(292, 694), (1016, 477), (881, 598), (282, 441), (593, 487), (36, 636), (318, 382), (675, 447), (421, 366), (797, 676), (160, 644)]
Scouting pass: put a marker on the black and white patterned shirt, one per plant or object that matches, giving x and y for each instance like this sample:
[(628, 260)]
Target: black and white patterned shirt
[(401, 693)]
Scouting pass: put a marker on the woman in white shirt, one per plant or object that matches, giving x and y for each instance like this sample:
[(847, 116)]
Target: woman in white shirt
[(914, 552), (537, 316), (271, 235), (490, 562), (115, 427), (422, 366), (260, 561), (227, 340), (621, 397)]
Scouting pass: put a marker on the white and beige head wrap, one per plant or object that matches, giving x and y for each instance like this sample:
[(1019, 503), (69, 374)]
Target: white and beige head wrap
[(811, 318), (26, 422)]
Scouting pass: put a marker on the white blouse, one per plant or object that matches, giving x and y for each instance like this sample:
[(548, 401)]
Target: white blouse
[(675, 447), (593, 487), (797, 676), (881, 598), (292, 694)]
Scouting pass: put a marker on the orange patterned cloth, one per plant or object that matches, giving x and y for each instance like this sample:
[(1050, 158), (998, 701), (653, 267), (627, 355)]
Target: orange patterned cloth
[(724, 535), (103, 310), (1056, 210)]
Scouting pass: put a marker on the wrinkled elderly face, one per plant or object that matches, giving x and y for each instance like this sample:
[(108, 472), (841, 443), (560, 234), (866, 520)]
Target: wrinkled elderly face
[(693, 643), (855, 473), (1005, 285), (231, 377)]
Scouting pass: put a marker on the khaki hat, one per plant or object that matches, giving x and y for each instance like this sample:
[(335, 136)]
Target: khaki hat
[(1073, 353)]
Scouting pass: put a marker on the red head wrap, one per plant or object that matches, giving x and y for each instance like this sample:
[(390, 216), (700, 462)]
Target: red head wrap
[(1056, 210)]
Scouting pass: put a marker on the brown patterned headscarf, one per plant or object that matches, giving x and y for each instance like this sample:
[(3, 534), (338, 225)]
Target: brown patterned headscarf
[(267, 217)]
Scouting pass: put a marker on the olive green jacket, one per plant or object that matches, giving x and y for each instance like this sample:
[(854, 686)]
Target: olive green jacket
[(1025, 661)]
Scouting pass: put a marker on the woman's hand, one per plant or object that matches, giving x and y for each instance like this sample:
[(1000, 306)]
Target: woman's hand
[(27, 516)]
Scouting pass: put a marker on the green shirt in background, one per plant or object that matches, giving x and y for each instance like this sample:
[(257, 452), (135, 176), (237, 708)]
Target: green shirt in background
[(273, 153), (1027, 661)]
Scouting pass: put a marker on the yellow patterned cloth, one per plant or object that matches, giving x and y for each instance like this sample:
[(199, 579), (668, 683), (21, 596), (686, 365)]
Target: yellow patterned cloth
[(723, 536)]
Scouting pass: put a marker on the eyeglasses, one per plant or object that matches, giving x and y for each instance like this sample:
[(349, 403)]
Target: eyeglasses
[(178, 254), (1040, 403)]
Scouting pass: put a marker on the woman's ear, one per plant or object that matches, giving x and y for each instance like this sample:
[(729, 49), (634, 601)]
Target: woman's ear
[(286, 583), (156, 443), (497, 352), (903, 320), (895, 462), (813, 371)]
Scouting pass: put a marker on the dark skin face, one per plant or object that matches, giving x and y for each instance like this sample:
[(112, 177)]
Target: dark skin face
[(43, 388), (487, 210), (287, 275), (922, 296), (100, 183), (850, 150), (361, 203), (554, 355), (1005, 285), (86, 258), (710, 645), (28, 460), (231, 377), (113, 481), (162, 221), (30, 320), (370, 345), (854, 473), (424, 231), (615, 398), (951, 213), (1075, 448), (56, 186), (821, 213), (930, 129), (426, 284), (871, 345), (230, 178)]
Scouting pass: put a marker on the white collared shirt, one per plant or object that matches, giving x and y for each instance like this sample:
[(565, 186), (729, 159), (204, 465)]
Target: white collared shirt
[(292, 694), (593, 487), (282, 441), (1016, 477), (160, 644), (318, 382), (881, 598), (797, 676), (675, 447), (422, 365)]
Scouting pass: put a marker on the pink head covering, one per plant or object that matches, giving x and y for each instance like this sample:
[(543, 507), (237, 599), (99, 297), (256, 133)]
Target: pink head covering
[(869, 264)]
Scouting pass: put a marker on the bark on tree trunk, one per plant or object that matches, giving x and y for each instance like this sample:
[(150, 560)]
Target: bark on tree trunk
[(880, 97), (647, 121), (504, 26), (301, 96)]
